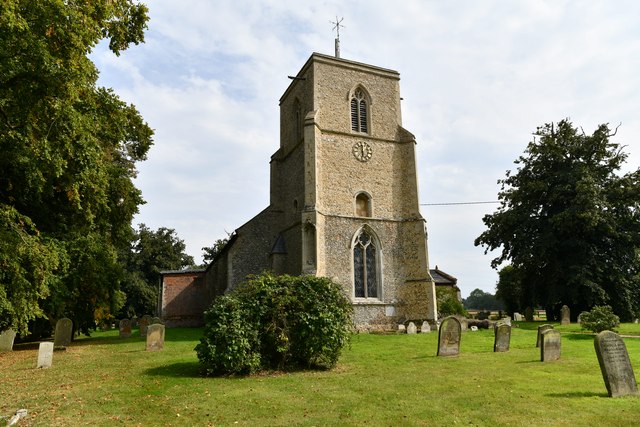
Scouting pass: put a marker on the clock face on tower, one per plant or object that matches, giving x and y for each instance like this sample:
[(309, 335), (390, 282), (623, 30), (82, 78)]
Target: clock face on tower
[(362, 151)]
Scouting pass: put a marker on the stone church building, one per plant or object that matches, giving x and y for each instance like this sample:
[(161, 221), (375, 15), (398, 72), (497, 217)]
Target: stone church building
[(343, 203)]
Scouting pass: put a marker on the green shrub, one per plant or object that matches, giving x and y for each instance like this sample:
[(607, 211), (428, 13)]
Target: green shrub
[(448, 303), (276, 322), (600, 318)]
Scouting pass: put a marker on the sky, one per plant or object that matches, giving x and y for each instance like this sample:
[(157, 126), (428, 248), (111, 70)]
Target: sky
[(477, 78)]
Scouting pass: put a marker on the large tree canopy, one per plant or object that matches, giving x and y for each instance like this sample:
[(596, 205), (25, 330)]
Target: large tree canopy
[(569, 222), (69, 150)]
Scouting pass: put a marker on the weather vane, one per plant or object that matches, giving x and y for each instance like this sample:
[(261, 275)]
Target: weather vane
[(336, 26)]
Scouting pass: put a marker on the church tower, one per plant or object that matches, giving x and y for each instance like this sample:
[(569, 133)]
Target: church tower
[(344, 182)]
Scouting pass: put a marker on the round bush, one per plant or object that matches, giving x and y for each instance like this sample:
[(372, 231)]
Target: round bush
[(600, 318), (294, 322)]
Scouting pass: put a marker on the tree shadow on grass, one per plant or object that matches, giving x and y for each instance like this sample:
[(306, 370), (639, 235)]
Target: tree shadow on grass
[(577, 394), (176, 370), (578, 337)]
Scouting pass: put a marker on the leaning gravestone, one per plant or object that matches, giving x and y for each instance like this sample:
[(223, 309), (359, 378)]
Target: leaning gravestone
[(425, 328), (411, 329), (502, 338), (565, 315), (155, 337), (6, 340), (615, 364), (125, 328), (550, 345), (64, 331), (449, 337), (45, 355), (144, 323), (541, 329)]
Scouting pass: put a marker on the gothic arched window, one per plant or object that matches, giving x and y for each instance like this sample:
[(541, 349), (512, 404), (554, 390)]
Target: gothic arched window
[(359, 112), (365, 266)]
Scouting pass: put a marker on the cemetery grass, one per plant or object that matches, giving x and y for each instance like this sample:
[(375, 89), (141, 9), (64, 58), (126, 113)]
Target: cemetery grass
[(381, 380)]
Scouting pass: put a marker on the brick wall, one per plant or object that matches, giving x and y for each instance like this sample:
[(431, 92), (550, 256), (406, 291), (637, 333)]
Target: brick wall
[(184, 298)]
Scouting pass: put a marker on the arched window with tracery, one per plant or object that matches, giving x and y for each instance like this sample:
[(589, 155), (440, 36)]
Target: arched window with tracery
[(359, 112), (365, 265)]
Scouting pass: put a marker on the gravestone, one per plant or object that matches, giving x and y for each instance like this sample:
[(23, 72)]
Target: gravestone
[(411, 329), (474, 328), (449, 337), (502, 338), (401, 328), (615, 365), (425, 328), (541, 329), (155, 337), (565, 315), (528, 314), (144, 323), (125, 328), (550, 345), (63, 334), (518, 317), (505, 320), (45, 354), (156, 320), (6, 340)]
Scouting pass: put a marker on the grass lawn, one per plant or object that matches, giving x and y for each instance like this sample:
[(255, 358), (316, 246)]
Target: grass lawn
[(382, 380)]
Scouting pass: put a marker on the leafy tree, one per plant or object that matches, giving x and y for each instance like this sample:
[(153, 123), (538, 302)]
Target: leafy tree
[(482, 300), (600, 318), (69, 150), (569, 222), (209, 253), (151, 252), (509, 289)]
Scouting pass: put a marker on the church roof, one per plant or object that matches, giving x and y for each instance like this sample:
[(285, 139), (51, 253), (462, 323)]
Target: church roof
[(442, 278)]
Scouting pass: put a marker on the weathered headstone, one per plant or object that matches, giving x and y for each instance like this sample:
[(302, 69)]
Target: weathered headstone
[(45, 354), (144, 323), (565, 315), (125, 328), (6, 340), (401, 328), (550, 345), (425, 328), (156, 320), (541, 329), (518, 317), (411, 329), (449, 337), (474, 328), (502, 338), (155, 337), (63, 334), (505, 320), (615, 365)]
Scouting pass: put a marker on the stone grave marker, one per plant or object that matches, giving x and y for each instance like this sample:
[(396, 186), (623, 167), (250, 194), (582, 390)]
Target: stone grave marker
[(474, 328), (518, 317), (63, 334), (541, 329), (6, 340), (565, 315), (144, 323), (425, 328), (615, 365), (502, 338), (550, 345), (45, 354), (401, 328), (125, 328), (411, 329), (528, 314), (156, 320), (449, 335), (505, 320), (155, 337)]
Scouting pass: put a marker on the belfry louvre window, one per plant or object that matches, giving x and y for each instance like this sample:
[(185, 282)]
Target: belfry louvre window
[(365, 274), (359, 112)]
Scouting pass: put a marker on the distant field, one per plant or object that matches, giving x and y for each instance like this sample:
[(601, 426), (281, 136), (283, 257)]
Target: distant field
[(382, 380)]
